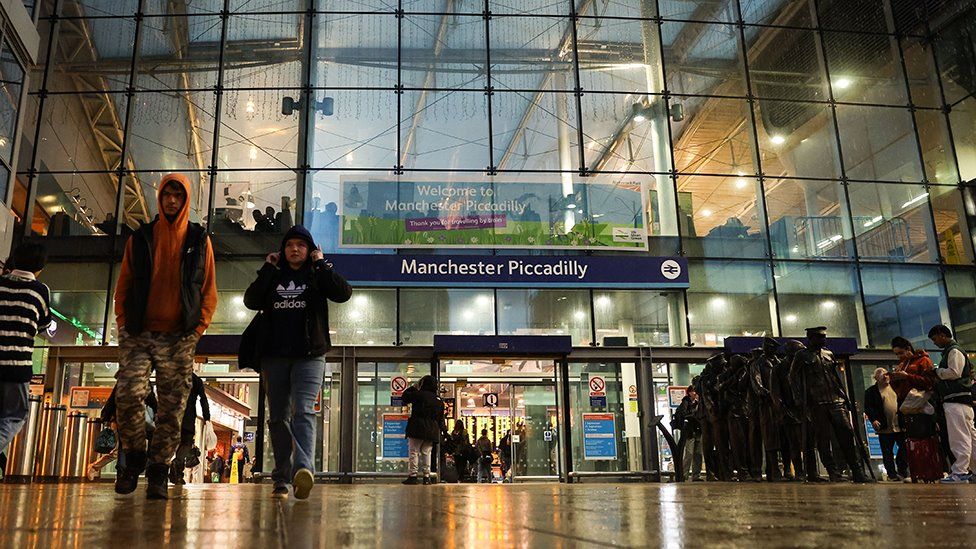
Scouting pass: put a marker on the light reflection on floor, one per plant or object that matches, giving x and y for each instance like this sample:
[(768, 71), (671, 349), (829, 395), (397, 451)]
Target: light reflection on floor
[(450, 516)]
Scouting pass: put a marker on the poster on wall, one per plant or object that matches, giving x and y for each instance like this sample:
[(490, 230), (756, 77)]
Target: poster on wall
[(599, 437), (431, 214), (394, 436), (874, 441)]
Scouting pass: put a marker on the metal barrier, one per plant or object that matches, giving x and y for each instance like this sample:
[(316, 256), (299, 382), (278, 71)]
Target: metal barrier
[(76, 446), (48, 454), (20, 454)]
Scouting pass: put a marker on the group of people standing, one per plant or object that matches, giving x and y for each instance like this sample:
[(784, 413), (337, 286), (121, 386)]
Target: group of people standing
[(772, 414)]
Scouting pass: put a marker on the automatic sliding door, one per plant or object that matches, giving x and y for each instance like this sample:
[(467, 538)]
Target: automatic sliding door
[(381, 446)]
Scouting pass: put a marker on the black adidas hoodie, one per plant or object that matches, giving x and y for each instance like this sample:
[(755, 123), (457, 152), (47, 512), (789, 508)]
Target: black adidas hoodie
[(295, 303)]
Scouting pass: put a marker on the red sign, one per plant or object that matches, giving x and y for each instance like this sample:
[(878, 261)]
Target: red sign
[(598, 386), (397, 385)]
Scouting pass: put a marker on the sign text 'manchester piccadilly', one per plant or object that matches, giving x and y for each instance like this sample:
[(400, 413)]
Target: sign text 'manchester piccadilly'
[(570, 268), (490, 271)]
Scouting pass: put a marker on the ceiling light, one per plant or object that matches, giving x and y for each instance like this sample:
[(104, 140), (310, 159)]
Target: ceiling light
[(249, 107), (718, 302), (468, 314), (355, 314), (253, 153), (241, 315), (579, 315), (360, 300), (791, 319), (873, 220), (483, 300), (741, 183), (349, 157), (842, 83), (777, 139), (369, 342), (706, 213), (603, 301), (829, 304), (915, 200), (639, 118), (238, 300)]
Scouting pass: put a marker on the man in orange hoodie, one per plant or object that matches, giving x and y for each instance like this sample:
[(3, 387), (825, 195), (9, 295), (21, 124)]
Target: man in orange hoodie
[(164, 301)]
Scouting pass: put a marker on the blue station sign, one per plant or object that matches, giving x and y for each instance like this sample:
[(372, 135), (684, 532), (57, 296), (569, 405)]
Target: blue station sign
[(491, 271)]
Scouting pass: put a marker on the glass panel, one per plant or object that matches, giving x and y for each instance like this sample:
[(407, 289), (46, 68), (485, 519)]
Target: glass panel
[(100, 8), (526, 7), (923, 80), (377, 451), (788, 66), (536, 454), (728, 298), (233, 277), (444, 130), (535, 143), (102, 65), (940, 164), (714, 137), (619, 55), (254, 134), (892, 222), (545, 312), (627, 456), (369, 318), (954, 50), (776, 13), (950, 225), (699, 10), (642, 317), (67, 142), (78, 292), (878, 143), (11, 84), (797, 139), (454, 58), (160, 60), (524, 53), (703, 59), (173, 132), (358, 50), (252, 209), (962, 119), (442, 311), (865, 68), (962, 305), (819, 295), (361, 132), (721, 216), (856, 15), (624, 133), (902, 301), (808, 219)]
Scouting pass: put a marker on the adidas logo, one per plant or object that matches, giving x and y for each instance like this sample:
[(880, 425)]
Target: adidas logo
[(291, 291)]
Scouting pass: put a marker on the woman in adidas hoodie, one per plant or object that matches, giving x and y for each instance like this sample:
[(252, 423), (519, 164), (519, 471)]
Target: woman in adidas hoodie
[(292, 292)]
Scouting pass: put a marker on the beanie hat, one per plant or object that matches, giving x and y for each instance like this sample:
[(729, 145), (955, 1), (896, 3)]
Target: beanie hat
[(298, 232)]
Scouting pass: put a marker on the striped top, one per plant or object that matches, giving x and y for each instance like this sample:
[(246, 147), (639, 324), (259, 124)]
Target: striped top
[(23, 312)]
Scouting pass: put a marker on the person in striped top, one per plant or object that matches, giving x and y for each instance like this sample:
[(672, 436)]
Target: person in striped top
[(24, 312)]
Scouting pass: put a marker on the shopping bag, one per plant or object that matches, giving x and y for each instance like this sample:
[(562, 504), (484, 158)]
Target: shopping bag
[(917, 402), (106, 441), (209, 437)]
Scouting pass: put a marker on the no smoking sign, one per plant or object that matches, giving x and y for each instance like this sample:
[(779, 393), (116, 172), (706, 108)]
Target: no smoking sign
[(598, 392), (398, 384)]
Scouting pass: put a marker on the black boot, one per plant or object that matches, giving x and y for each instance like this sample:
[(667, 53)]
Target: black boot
[(156, 481), (773, 473), (127, 477)]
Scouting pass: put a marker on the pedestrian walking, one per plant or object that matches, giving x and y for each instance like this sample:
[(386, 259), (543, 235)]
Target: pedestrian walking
[(164, 300), (423, 428)]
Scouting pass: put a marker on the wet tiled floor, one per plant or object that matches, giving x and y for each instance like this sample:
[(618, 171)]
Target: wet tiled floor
[(477, 516)]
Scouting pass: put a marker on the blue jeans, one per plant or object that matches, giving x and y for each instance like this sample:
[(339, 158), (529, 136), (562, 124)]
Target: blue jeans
[(13, 410), (292, 386)]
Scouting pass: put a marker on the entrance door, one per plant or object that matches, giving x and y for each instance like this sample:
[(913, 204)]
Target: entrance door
[(510, 397)]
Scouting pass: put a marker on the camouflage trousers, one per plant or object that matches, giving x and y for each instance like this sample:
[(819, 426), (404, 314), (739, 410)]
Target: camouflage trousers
[(171, 356)]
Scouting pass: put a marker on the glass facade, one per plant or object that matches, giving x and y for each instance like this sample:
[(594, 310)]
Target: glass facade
[(811, 159)]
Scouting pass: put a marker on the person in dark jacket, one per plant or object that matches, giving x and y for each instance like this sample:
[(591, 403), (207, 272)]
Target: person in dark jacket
[(881, 407), (108, 419), (686, 420), (424, 426), (188, 427), (292, 292)]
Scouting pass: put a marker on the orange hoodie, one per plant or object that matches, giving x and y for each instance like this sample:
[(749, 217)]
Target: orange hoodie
[(163, 311)]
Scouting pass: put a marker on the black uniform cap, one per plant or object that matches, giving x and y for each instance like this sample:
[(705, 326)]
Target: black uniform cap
[(819, 330)]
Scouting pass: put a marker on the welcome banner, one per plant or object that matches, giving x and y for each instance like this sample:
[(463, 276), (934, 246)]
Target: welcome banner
[(431, 214)]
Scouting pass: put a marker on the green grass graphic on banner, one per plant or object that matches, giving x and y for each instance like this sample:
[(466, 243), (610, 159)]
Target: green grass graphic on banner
[(425, 214)]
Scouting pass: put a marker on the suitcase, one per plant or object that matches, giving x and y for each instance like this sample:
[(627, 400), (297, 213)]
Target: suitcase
[(924, 459)]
